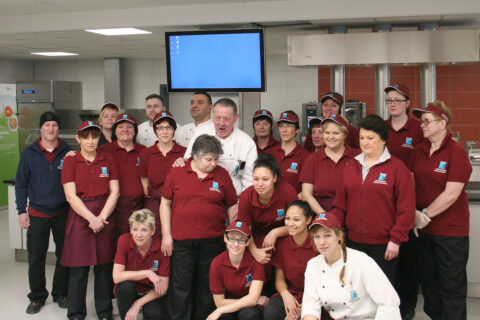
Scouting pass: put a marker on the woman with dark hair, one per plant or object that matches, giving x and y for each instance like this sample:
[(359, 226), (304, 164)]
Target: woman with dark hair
[(343, 281), (106, 119), (90, 181), (290, 260), (322, 169), (316, 133), (192, 213), (263, 127), (126, 152), (441, 170), (156, 161), (375, 198), (289, 153)]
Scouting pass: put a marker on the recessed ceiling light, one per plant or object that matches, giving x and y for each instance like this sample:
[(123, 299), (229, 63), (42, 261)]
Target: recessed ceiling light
[(118, 31), (55, 54)]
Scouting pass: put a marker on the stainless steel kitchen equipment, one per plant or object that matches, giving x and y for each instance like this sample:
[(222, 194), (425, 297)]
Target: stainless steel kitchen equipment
[(355, 111)]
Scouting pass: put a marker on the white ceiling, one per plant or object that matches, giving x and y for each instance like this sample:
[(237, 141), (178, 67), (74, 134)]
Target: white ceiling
[(56, 25)]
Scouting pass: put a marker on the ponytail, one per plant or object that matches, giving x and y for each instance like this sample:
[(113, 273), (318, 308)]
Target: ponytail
[(343, 246)]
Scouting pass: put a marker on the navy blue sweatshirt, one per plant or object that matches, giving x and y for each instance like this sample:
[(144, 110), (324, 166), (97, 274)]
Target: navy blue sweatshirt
[(39, 180)]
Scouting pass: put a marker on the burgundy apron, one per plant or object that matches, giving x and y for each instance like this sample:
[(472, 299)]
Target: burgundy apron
[(152, 203), (83, 247), (125, 207)]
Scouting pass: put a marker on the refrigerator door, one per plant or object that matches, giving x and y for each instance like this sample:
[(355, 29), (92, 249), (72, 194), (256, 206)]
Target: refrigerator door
[(29, 119)]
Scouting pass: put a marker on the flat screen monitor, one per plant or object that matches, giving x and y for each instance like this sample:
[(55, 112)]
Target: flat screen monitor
[(216, 61)]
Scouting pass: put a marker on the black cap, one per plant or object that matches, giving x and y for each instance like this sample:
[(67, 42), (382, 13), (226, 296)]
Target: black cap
[(49, 116)]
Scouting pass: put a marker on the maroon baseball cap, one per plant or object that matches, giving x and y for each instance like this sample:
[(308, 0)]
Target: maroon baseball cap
[(162, 116), (400, 88), (88, 124), (125, 117), (288, 116), (432, 108), (240, 227), (337, 119), (327, 220), (110, 105), (333, 95), (262, 113)]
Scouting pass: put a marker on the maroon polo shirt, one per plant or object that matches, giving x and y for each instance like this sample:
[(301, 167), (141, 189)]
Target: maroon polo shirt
[(198, 206), (128, 256), (155, 166), (91, 179), (234, 282), (323, 173), (292, 259), (449, 163), (264, 218), (352, 140), (291, 164), (272, 144), (402, 142), (49, 155), (379, 209), (128, 163)]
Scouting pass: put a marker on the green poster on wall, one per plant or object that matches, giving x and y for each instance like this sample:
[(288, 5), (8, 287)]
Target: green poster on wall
[(9, 151)]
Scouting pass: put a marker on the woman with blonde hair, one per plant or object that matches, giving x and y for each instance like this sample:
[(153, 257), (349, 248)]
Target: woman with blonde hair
[(345, 282)]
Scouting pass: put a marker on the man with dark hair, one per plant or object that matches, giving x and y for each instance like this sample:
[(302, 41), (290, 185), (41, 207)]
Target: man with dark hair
[(200, 110), (38, 179), (153, 106)]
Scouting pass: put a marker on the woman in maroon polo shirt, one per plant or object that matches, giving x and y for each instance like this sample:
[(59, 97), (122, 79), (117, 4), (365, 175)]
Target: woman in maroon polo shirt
[(316, 133), (236, 279), (322, 169), (289, 153), (441, 170), (290, 260), (262, 127), (156, 161), (141, 270), (192, 213), (375, 198), (126, 151), (90, 181)]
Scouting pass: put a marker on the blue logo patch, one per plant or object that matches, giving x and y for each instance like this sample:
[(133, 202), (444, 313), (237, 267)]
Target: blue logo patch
[(293, 165), (104, 170), (395, 86), (280, 212), (90, 123), (249, 277), (442, 165), (155, 264), (408, 141), (333, 116), (322, 216), (125, 116), (353, 295), (284, 115), (215, 184), (238, 224), (382, 177), (138, 161), (164, 114), (264, 112)]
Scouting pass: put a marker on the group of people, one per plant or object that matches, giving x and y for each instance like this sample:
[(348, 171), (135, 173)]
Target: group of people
[(337, 228)]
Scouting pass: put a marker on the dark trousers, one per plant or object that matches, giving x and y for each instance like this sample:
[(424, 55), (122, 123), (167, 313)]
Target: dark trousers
[(188, 295), (275, 309), (38, 236), (443, 275), (248, 313), (77, 291), (127, 294), (377, 253), (407, 282)]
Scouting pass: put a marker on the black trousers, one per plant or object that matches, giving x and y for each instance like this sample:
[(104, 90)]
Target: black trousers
[(188, 295), (406, 281), (127, 294), (248, 313), (443, 276), (38, 236), (377, 253), (77, 291), (275, 309)]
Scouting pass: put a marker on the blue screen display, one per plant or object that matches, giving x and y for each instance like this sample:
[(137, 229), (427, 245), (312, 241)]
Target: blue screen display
[(216, 61)]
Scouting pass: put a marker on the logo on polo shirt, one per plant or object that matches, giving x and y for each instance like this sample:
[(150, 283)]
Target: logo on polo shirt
[(249, 280), (138, 162), (154, 265), (442, 167), (408, 143), (280, 214), (104, 173), (215, 187), (60, 167), (382, 179), (293, 168)]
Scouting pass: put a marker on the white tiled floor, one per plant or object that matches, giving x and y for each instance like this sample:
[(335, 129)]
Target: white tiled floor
[(14, 288)]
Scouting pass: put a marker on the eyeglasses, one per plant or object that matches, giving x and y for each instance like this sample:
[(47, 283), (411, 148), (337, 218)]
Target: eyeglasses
[(396, 101), (235, 240), (427, 122), (167, 128)]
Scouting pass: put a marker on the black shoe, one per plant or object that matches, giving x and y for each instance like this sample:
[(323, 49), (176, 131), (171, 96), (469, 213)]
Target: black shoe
[(408, 314), (34, 307), (62, 301)]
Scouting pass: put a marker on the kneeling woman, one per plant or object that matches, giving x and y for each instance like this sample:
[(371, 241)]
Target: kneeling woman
[(236, 279), (346, 282), (141, 270), (90, 181)]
